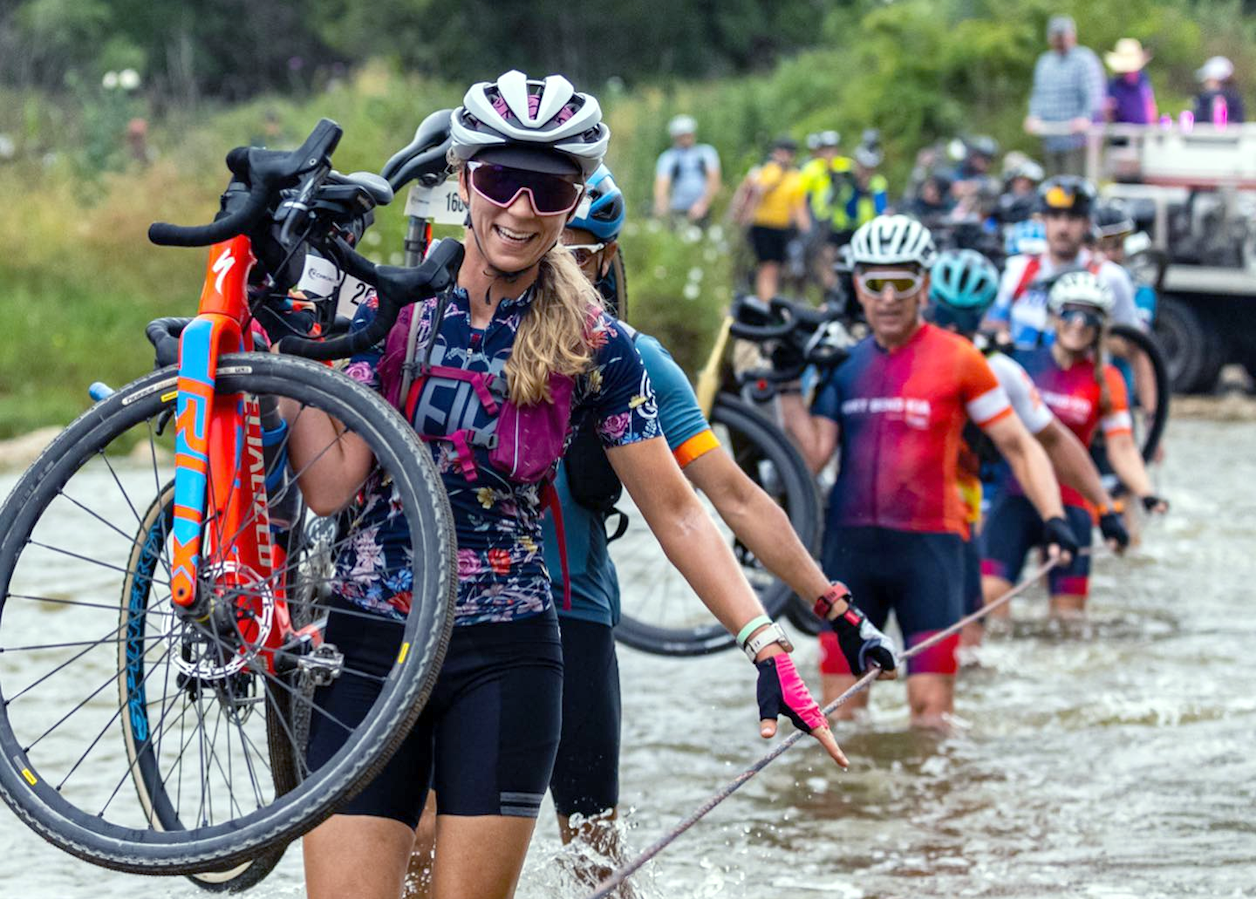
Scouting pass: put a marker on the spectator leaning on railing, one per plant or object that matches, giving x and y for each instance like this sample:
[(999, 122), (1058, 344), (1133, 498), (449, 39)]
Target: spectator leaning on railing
[(1220, 102), (1068, 90)]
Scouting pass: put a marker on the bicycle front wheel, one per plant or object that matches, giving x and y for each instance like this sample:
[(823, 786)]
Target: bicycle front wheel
[(138, 592), (202, 709), (660, 613)]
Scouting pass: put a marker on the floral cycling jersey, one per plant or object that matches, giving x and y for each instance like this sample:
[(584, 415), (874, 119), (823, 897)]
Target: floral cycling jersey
[(501, 563)]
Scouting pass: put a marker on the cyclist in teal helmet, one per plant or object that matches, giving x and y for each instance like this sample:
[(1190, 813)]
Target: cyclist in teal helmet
[(585, 779), (963, 285)]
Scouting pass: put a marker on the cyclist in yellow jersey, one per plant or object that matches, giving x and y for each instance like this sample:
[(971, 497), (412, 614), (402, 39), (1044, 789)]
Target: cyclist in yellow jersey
[(856, 200), (772, 202), (823, 176), (819, 172)]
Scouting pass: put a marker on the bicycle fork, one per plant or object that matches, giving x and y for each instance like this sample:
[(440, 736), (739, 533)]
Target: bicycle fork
[(221, 533)]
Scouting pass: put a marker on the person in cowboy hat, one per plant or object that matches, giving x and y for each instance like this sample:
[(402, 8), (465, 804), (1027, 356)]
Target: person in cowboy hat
[(1130, 98)]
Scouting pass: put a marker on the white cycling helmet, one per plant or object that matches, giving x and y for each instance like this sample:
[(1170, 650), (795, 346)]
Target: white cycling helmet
[(1080, 289), (891, 239), (681, 124), (514, 118)]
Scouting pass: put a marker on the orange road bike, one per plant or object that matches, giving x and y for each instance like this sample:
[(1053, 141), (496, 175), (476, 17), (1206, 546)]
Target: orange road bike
[(160, 577)]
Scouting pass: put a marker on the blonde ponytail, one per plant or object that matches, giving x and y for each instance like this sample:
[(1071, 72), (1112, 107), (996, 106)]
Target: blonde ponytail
[(554, 336), (1101, 370)]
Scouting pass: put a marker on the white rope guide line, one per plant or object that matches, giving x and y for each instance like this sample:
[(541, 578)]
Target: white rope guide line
[(619, 876)]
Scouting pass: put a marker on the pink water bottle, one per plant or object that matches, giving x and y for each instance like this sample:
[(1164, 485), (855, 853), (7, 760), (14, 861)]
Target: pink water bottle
[(1220, 111)]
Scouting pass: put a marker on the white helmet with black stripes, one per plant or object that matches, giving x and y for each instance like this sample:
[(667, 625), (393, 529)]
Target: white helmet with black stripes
[(893, 239), (514, 112)]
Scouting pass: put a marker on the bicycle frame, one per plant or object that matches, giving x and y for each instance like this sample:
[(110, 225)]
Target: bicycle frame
[(710, 377), (218, 440)]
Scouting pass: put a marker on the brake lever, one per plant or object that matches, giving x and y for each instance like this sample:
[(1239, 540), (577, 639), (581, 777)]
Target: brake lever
[(290, 211)]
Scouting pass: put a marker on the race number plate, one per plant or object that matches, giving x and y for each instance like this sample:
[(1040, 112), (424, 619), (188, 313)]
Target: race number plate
[(441, 203), (322, 279), (352, 294)]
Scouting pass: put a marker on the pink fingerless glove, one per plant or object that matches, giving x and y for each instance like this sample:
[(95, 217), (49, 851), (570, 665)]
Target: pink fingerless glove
[(782, 692)]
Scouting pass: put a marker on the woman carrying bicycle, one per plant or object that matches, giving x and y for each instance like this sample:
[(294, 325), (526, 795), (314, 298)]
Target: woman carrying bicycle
[(509, 356)]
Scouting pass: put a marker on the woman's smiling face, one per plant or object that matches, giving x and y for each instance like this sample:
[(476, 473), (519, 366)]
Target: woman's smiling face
[(513, 238)]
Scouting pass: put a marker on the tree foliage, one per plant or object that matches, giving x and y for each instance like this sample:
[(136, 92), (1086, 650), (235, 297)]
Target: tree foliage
[(235, 48)]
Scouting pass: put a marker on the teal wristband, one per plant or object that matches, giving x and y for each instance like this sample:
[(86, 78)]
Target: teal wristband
[(751, 626)]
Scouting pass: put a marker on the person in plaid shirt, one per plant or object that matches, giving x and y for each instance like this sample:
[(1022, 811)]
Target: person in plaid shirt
[(1069, 87)]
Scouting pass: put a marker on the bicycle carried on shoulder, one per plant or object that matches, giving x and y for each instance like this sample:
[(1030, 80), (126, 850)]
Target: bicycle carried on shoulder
[(159, 547)]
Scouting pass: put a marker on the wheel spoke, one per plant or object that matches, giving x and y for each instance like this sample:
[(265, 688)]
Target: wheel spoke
[(61, 667), (103, 730), (82, 558), (126, 496), (113, 678), (81, 604), (145, 745)]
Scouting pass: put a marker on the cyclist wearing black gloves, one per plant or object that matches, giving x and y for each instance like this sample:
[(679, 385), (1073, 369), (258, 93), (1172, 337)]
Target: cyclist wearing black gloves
[(1086, 394), (511, 355), (896, 523), (962, 285)]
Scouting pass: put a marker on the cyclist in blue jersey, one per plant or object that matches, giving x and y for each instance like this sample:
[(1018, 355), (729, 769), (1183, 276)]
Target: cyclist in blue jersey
[(519, 344)]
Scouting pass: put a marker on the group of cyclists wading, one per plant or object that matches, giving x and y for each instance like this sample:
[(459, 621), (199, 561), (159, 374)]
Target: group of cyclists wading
[(528, 698)]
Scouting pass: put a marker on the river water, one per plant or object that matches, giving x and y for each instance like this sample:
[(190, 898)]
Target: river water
[(1118, 762)]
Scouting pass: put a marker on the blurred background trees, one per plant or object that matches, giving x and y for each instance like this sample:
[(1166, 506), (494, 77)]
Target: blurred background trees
[(233, 49)]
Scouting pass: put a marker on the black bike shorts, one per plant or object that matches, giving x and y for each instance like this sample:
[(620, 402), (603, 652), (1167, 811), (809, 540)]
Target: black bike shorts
[(919, 576), (973, 598), (769, 243), (586, 772), (486, 739), (1014, 529)]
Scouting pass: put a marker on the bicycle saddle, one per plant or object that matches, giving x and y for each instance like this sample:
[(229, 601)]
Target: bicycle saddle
[(424, 157), (375, 187)]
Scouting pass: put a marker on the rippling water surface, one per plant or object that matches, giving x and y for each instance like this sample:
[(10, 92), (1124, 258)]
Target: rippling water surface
[(1120, 762)]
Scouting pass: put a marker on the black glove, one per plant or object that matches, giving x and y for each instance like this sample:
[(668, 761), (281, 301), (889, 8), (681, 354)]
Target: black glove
[(1150, 501), (859, 639), (287, 318), (862, 643), (1056, 531), (1113, 528)]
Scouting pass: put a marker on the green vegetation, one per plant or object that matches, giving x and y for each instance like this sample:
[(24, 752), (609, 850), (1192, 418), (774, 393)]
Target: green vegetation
[(78, 279)]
